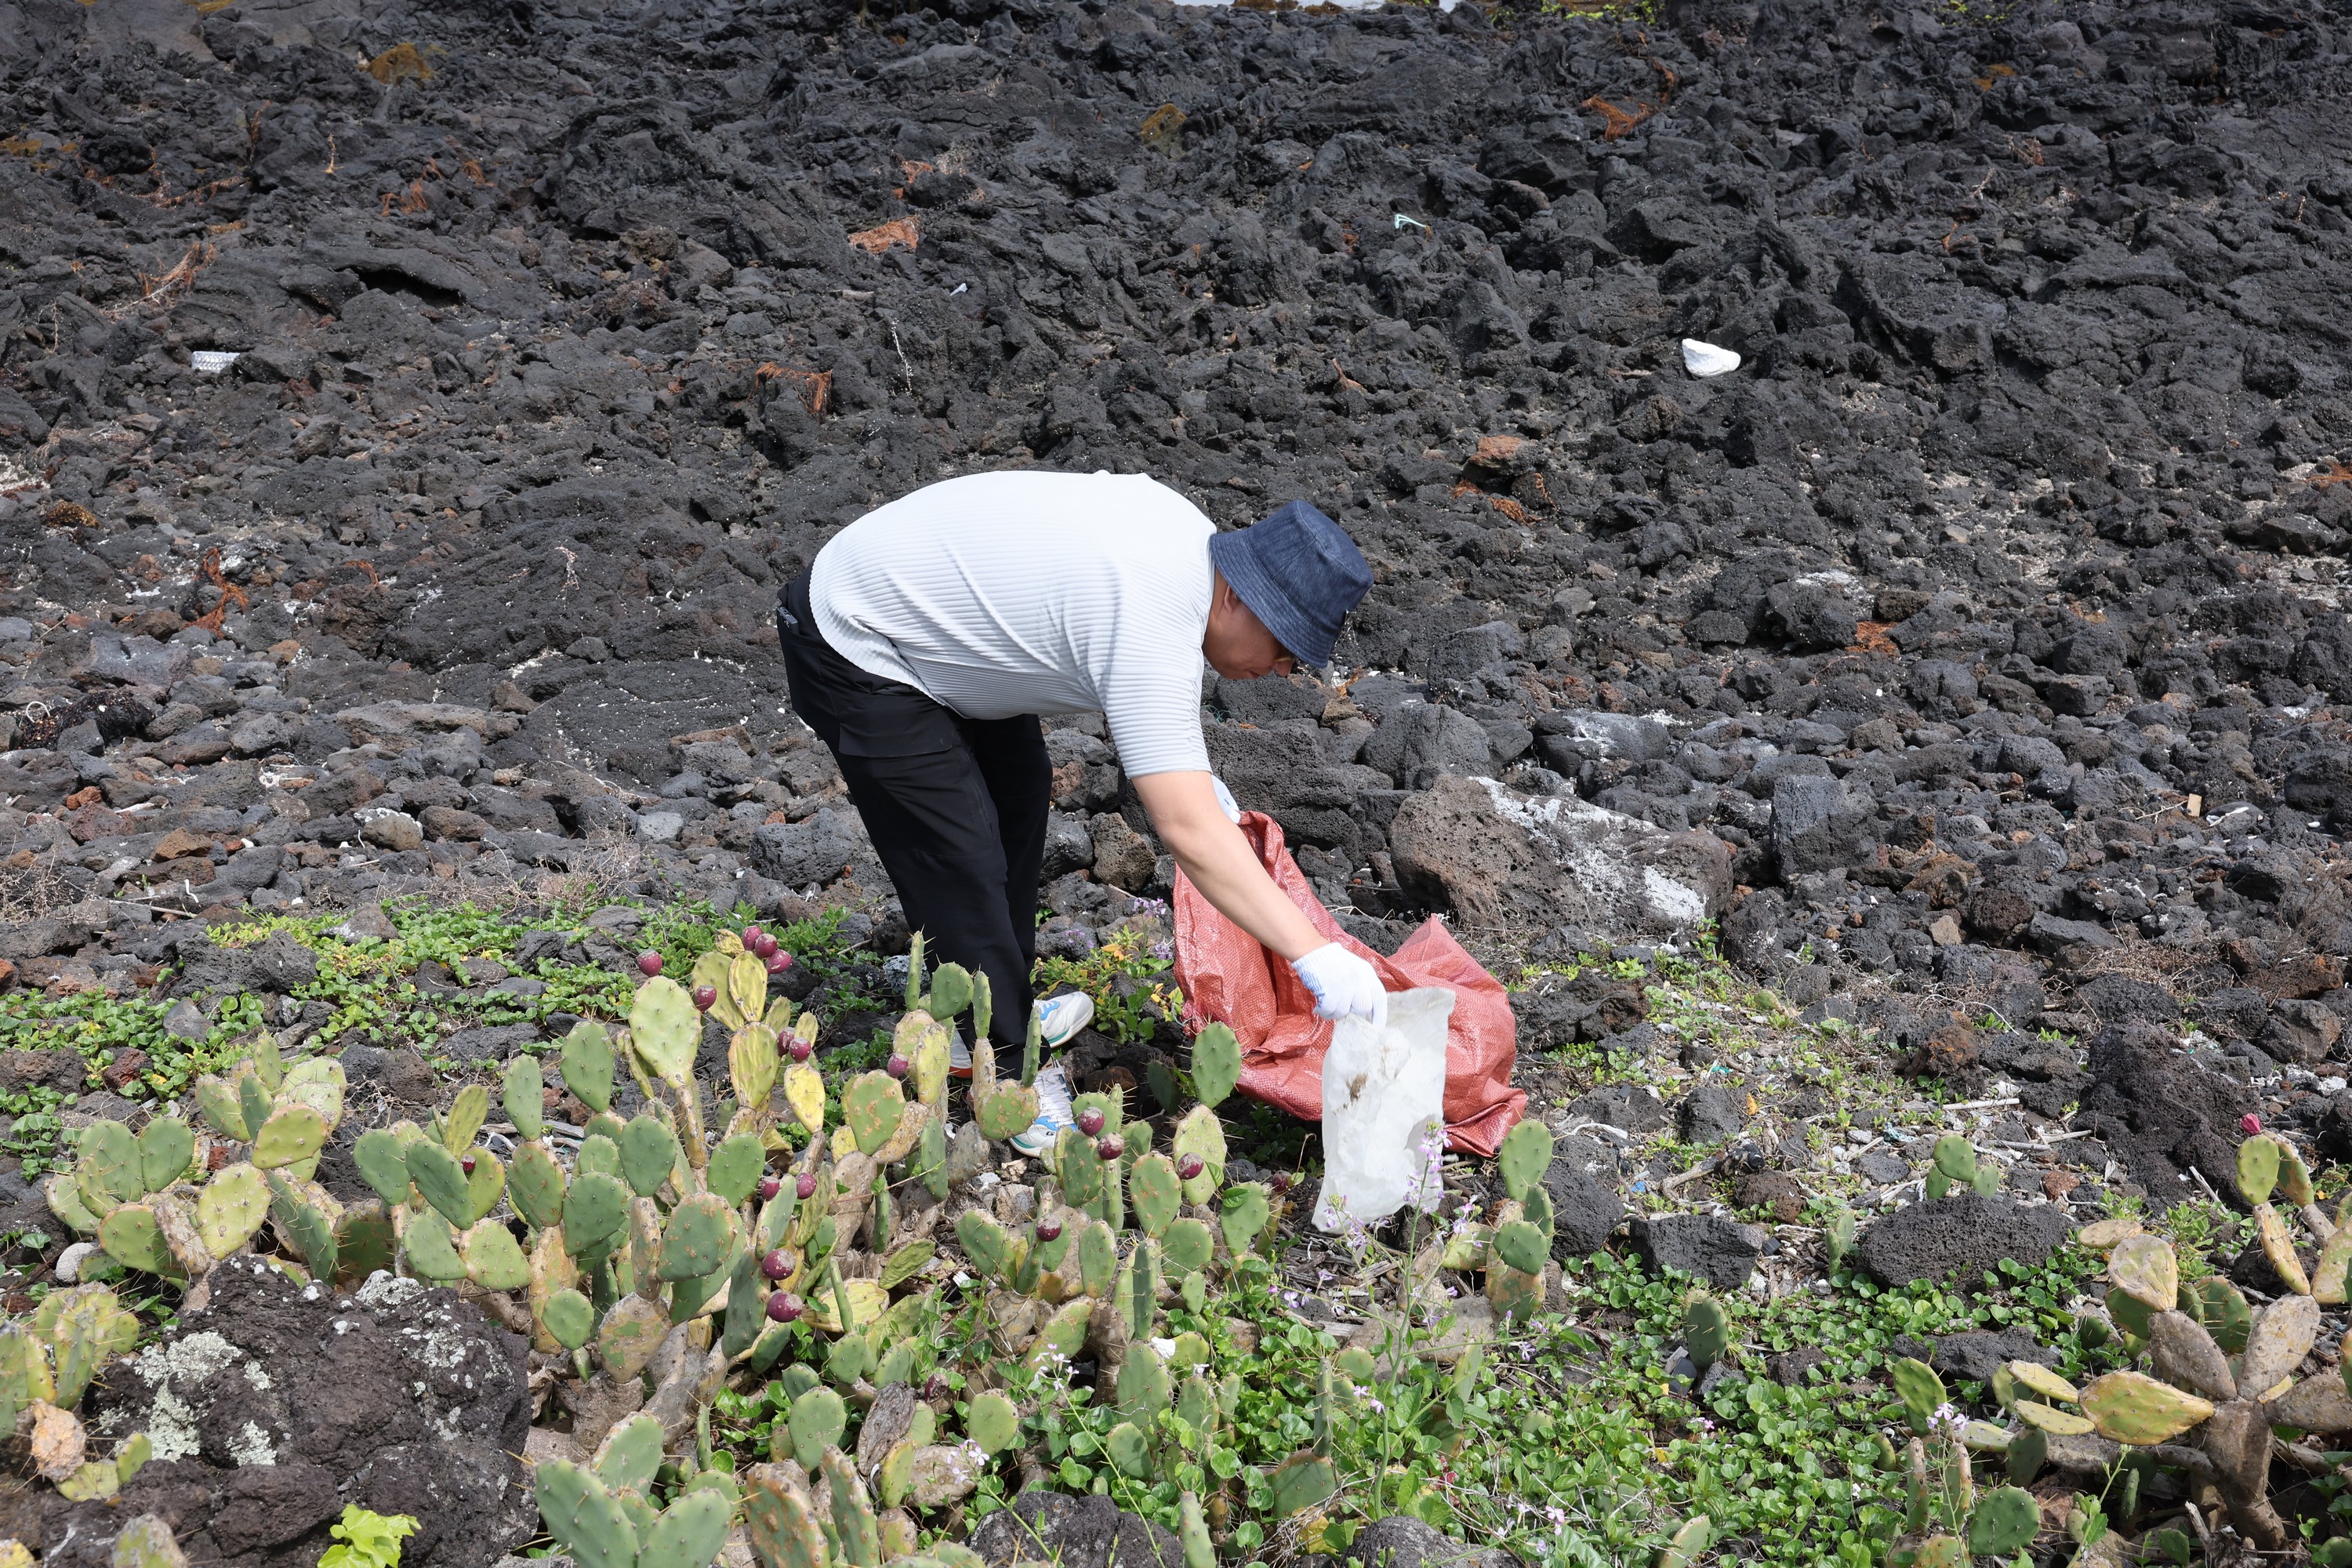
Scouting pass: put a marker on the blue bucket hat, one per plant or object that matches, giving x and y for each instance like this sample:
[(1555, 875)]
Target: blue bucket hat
[(1299, 572)]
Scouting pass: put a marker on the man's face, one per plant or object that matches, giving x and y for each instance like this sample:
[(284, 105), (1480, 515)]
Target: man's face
[(1238, 645)]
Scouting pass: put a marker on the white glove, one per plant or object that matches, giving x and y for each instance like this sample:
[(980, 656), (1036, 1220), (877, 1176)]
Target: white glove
[(1343, 984), (1225, 798)]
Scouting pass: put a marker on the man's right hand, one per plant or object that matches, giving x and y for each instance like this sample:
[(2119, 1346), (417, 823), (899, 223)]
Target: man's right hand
[(1343, 984)]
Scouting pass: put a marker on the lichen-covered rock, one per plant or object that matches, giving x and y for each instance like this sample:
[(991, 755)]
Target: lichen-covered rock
[(276, 1403)]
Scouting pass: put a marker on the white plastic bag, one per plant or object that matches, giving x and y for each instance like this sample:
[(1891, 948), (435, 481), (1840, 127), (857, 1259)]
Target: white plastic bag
[(1704, 360), (1384, 1112)]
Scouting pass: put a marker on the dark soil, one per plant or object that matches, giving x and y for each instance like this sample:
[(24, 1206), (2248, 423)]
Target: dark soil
[(1985, 624)]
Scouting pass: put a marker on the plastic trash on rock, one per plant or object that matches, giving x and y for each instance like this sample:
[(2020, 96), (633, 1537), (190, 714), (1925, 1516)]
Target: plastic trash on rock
[(1384, 1112), (1702, 360)]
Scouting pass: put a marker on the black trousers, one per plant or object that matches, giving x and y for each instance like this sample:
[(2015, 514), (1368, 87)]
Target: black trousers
[(956, 807)]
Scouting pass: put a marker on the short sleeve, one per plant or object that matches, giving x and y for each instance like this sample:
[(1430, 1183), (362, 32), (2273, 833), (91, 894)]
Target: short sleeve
[(1153, 709)]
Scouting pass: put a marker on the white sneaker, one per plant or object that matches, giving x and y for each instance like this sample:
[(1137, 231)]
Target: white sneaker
[(1061, 1018), (1054, 1112)]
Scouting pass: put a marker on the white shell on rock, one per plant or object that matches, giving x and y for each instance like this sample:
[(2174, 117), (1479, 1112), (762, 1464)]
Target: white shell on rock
[(1705, 359)]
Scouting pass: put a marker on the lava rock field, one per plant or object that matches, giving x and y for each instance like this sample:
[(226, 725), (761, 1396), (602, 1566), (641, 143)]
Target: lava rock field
[(1976, 647)]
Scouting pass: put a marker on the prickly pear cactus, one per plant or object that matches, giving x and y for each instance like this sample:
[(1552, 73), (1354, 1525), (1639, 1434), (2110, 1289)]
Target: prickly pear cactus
[(1216, 1065), (993, 1421), (665, 1030), (587, 1065), (1524, 1246), (1301, 1481), (1523, 1159), (1706, 1331), (870, 1108), (1248, 1210), (2004, 1523), (1156, 1191)]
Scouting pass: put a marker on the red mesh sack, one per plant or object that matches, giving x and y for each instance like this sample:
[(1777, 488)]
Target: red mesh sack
[(1229, 978)]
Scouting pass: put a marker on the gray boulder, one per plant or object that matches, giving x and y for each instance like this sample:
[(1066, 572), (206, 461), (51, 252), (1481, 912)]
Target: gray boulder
[(1721, 1251), (1503, 861), (1401, 1541), (1819, 824), (1965, 1233)]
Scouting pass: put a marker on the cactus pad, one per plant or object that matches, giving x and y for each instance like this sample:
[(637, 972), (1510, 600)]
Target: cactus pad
[(303, 1225), (217, 1100), (164, 1150), (2146, 1267), (695, 1244), (231, 1207), (1513, 1292), (1523, 1159), (1200, 1134), (2327, 1275), (950, 991), (2183, 1354), (2281, 1337), (1156, 1191), (804, 1092), (2051, 1419), (631, 1330), (1065, 1333), (735, 1167), (1193, 1534), (485, 1184), (1143, 1386), (745, 993), (929, 1061), (587, 1065), (855, 1527), (1301, 1481), (870, 1108), (1521, 1244), (1128, 1451), (2040, 1379), (1188, 1247), (690, 1532), (106, 1167), (993, 1422), (430, 1251), (2132, 1407), (665, 1030), (1921, 1391), (440, 1179), (2258, 1168), (1707, 1327), (536, 1185), (782, 1523), (649, 1152), (146, 1541), (524, 1092), (595, 1214), (252, 1097), (467, 1113), (383, 1163), (293, 1135), (1006, 1111), (2278, 1246), (1079, 1169), (1098, 1251), (132, 1239), (364, 1242), (1216, 1064), (1247, 1212), (492, 1258), (751, 1066), (2219, 1310), (985, 1243)]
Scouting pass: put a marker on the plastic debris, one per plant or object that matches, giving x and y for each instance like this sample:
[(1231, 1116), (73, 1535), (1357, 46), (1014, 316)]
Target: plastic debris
[(1402, 220), (1384, 1111), (1704, 360), (211, 362)]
